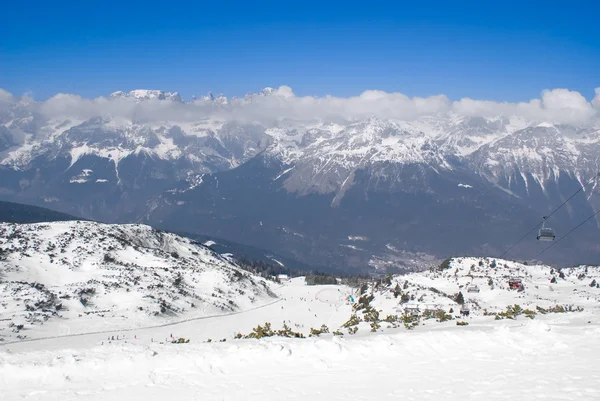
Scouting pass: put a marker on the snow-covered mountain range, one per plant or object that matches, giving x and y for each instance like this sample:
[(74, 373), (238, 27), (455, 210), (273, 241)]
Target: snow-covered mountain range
[(399, 171), (99, 277)]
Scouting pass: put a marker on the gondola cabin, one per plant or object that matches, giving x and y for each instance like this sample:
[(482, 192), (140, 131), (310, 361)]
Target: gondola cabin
[(546, 234), (472, 288), (515, 284)]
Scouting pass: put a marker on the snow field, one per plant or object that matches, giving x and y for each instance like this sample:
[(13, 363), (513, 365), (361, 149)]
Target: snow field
[(552, 356), (533, 360)]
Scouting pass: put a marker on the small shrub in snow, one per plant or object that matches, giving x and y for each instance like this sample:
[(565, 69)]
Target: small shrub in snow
[(363, 289), (512, 312), (410, 321), (404, 298), (442, 316), (461, 323), (557, 309), (375, 326), (353, 321), (178, 280), (261, 331), (288, 332), (391, 318), (445, 265), (363, 302), (371, 314), (317, 332), (397, 291)]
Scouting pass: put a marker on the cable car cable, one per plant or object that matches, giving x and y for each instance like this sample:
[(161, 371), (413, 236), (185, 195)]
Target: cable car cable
[(576, 192), (573, 229), (521, 239), (546, 217)]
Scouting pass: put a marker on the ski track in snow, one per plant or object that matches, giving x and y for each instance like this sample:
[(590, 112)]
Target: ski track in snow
[(139, 329)]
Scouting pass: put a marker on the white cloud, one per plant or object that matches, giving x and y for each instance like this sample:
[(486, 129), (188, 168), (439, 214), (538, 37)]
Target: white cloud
[(596, 99), (557, 106), (570, 106), (5, 97)]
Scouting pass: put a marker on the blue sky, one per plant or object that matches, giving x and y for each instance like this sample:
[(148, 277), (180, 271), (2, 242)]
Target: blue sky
[(503, 51)]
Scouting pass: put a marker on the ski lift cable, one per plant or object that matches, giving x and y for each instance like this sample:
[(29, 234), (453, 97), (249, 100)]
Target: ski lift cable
[(576, 192), (546, 217), (520, 239), (570, 231)]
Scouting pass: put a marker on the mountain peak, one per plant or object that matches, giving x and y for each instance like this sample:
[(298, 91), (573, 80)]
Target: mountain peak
[(146, 94), (218, 99)]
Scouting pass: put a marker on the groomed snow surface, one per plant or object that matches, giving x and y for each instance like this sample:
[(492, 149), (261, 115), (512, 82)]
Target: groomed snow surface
[(548, 359)]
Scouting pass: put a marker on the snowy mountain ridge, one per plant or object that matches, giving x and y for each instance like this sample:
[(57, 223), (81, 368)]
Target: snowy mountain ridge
[(95, 275), (145, 94), (196, 136)]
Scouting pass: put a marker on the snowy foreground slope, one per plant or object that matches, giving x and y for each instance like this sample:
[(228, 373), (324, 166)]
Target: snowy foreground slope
[(553, 358), (550, 353), (73, 277)]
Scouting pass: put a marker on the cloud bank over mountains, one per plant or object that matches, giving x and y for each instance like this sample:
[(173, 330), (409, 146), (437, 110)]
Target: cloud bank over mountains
[(557, 106)]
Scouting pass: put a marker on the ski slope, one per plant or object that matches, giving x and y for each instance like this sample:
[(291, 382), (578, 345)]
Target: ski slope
[(552, 356), (303, 307)]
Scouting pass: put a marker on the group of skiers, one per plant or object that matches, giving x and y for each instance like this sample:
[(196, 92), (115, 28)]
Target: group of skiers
[(112, 338)]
